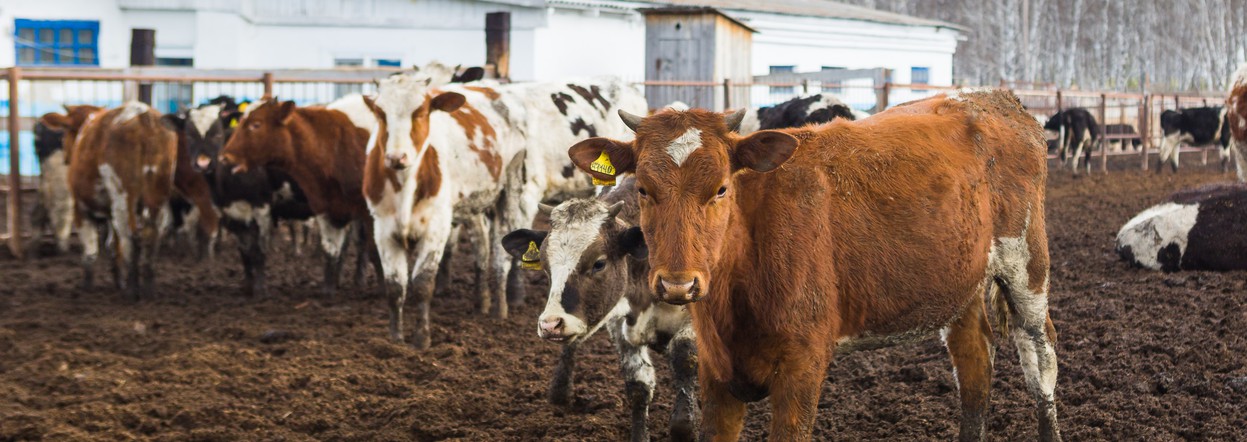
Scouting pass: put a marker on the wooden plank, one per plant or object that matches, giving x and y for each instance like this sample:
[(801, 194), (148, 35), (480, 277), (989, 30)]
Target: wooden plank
[(15, 166)]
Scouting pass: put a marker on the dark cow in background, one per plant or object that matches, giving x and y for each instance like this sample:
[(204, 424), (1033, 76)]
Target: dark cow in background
[(1076, 131), (121, 173), (1197, 229), (1236, 122), (797, 112), (595, 259), (250, 201), (1197, 126), (55, 209)]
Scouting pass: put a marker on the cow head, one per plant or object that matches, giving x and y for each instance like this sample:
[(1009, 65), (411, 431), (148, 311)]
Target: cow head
[(205, 133), (684, 163), (70, 124), (402, 106), (262, 137), (586, 254)]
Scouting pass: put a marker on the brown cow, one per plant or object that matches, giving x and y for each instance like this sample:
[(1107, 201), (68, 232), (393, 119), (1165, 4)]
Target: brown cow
[(869, 234), (1236, 118), (324, 153), (121, 167)]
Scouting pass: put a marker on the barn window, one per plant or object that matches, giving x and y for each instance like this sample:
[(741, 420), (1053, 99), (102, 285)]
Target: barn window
[(919, 75), (56, 42), (784, 90)]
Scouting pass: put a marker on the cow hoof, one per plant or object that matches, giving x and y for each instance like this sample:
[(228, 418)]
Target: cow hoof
[(682, 430), (421, 341), (560, 396)]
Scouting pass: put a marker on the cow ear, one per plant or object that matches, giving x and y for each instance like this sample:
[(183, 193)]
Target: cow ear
[(285, 113), (763, 151), (517, 242), (176, 121), (632, 242), (603, 158), (448, 102), (469, 75), (56, 121)]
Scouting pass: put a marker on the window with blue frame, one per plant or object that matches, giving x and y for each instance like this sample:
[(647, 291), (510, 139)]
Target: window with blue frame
[(918, 75), (57, 42)]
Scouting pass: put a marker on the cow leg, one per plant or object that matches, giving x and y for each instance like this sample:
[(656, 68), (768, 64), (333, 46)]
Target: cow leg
[(333, 243), (1240, 158), (424, 278), (682, 353), (394, 266), (248, 240), (1079, 144), (969, 343), (125, 231), (794, 395), (443, 270), (638, 374), (88, 232), (722, 414), (481, 244), (1021, 268), (1169, 152), (560, 392), (151, 234)]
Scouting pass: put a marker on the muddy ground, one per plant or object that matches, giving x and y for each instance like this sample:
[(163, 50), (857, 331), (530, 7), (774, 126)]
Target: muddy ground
[(1144, 355)]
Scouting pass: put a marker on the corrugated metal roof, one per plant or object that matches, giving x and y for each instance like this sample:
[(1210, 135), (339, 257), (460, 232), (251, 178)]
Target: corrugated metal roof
[(817, 8)]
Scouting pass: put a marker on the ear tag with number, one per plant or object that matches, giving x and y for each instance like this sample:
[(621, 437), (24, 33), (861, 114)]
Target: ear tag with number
[(603, 165), (531, 259)]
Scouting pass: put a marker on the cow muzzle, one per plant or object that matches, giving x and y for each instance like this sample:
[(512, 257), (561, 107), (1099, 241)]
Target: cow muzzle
[(396, 161), (679, 288), (229, 160), (552, 328)]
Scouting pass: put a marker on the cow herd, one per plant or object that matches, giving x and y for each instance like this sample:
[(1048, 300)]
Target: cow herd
[(910, 223)]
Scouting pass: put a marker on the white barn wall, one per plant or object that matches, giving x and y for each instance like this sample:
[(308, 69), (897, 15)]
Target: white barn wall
[(579, 43)]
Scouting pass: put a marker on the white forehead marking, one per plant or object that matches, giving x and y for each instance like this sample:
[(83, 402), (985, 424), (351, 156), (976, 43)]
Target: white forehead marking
[(253, 106), (202, 118), (683, 146), (132, 109)]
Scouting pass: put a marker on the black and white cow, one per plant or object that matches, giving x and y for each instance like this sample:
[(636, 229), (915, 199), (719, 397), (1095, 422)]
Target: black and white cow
[(1077, 130), (595, 258), (1120, 129), (250, 201), (55, 208), (1198, 127), (797, 112), (1197, 229)]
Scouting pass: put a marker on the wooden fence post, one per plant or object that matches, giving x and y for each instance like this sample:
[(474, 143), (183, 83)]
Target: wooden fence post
[(15, 166), (267, 79), (1145, 128), (805, 86), (1103, 133), (881, 102), (727, 94)]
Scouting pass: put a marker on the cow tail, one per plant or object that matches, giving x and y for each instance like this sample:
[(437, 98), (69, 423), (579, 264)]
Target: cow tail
[(1000, 307)]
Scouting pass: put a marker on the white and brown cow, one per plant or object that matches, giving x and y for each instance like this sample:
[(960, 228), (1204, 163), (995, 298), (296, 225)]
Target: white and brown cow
[(121, 168), (594, 257), (441, 154), (1236, 122), (56, 204), (1197, 229)]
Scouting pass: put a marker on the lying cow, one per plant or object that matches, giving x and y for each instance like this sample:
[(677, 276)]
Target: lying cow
[(595, 260), (1198, 229), (444, 154), (797, 112), (1077, 131), (796, 244), (121, 169), (1236, 121), (1198, 127), (250, 201), (56, 204), (323, 152)]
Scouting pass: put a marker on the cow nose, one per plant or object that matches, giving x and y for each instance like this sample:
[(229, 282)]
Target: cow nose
[(680, 287), (397, 162), (552, 327)]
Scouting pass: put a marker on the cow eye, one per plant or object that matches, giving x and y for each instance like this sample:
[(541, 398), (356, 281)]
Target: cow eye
[(641, 191), (255, 125), (722, 191), (599, 265)]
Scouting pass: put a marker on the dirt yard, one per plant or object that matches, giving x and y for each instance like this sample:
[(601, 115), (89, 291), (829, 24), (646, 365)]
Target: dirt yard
[(1144, 355)]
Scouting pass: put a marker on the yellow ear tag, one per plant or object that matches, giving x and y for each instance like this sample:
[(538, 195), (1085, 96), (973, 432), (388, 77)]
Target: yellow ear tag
[(233, 123), (242, 107), (603, 165), (531, 259)]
